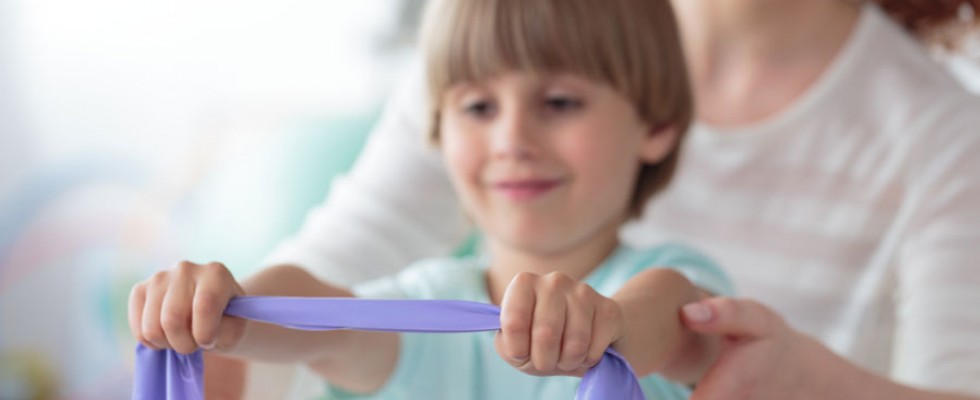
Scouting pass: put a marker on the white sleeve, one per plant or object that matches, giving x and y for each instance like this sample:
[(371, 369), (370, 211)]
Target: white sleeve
[(396, 204), (938, 301)]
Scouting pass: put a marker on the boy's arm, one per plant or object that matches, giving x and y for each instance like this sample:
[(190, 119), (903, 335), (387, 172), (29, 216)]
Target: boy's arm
[(656, 339), (359, 362)]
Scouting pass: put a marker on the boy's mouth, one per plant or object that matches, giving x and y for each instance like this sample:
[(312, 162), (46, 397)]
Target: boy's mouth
[(525, 189)]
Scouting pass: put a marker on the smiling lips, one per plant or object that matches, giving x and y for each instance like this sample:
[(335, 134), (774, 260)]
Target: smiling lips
[(525, 189)]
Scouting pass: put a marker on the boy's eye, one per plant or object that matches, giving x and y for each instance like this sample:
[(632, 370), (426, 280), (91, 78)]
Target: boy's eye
[(478, 108), (562, 103)]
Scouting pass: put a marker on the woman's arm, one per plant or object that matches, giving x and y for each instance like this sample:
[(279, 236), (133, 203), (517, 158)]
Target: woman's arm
[(395, 206)]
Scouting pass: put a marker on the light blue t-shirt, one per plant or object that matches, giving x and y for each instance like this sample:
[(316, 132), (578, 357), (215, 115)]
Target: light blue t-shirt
[(466, 366)]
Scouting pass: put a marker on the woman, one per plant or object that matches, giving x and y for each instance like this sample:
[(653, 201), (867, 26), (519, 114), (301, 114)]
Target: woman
[(831, 171)]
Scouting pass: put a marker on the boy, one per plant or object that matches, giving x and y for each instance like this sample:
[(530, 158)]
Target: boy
[(556, 123)]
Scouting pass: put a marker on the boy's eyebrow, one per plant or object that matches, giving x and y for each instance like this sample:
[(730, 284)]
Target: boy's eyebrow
[(458, 90)]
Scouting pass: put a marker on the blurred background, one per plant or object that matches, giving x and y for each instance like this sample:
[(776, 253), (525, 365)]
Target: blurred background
[(135, 134)]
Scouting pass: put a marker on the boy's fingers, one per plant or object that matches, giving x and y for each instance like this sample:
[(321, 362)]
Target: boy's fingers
[(137, 296), (732, 317), (577, 335), (230, 332), (604, 332), (517, 311), (150, 326), (175, 315), (546, 329), (208, 307)]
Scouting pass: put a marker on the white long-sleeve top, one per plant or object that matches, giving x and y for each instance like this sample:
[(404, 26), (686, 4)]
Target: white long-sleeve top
[(854, 212)]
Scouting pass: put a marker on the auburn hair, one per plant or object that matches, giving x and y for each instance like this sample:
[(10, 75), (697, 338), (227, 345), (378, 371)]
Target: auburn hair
[(943, 22)]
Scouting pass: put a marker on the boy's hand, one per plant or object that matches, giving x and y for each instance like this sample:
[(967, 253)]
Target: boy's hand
[(182, 308), (554, 325)]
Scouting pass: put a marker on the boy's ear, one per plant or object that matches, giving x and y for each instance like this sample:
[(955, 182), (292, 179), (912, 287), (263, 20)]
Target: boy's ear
[(659, 142)]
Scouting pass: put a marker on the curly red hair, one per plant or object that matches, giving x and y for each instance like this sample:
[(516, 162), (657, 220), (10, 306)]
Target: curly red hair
[(944, 22)]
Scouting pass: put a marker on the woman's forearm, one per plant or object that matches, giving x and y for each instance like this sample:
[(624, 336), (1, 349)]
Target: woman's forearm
[(845, 380), (656, 340)]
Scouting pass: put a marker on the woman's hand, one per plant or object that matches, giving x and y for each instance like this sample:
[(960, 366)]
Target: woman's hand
[(554, 325), (761, 357), (182, 309), (764, 358)]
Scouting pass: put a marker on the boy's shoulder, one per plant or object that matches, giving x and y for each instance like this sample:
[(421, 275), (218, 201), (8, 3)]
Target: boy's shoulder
[(698, 267)]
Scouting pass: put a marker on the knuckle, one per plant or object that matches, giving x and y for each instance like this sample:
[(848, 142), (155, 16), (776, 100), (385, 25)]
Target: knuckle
[(583, 291), (138, 289), (172, 321), (556, 280), (525, 278), (214, 264), (515, 321), (217, 270), (186, 266), (206, 303), (137, 296), (576, 346), (159, 278), (546, 334)]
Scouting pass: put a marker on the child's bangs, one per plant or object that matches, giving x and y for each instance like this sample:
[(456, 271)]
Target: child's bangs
[(491, 37)]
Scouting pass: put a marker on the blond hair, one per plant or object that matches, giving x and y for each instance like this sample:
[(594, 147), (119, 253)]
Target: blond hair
[(631, 45)]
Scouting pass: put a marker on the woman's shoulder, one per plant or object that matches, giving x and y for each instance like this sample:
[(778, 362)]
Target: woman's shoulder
[(888, 71)]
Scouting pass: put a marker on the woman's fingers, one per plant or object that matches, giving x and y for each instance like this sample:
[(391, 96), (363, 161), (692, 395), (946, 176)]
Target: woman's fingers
[(741, 318)]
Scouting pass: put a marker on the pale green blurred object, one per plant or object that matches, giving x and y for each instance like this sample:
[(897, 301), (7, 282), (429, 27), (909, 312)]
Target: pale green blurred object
[(259, 194)]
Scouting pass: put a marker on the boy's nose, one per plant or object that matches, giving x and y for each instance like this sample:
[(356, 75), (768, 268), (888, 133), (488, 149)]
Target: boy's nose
[(513, 137)]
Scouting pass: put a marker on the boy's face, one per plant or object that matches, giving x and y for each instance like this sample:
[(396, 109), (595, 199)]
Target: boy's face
[(545, 162)]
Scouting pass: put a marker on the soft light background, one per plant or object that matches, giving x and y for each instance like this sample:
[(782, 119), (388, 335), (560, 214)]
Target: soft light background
[(134, 134)]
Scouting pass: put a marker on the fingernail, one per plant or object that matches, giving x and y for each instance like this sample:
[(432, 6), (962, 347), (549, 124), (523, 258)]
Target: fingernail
[(697, 312), (207, 346)]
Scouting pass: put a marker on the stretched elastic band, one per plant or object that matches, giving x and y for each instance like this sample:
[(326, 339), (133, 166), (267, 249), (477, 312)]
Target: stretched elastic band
[(168, 375)]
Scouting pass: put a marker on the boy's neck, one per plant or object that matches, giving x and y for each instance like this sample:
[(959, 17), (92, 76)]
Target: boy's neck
[(578, 261)]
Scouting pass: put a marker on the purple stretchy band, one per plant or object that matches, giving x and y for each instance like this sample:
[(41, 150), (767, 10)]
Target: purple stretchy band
[(168, 375)]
